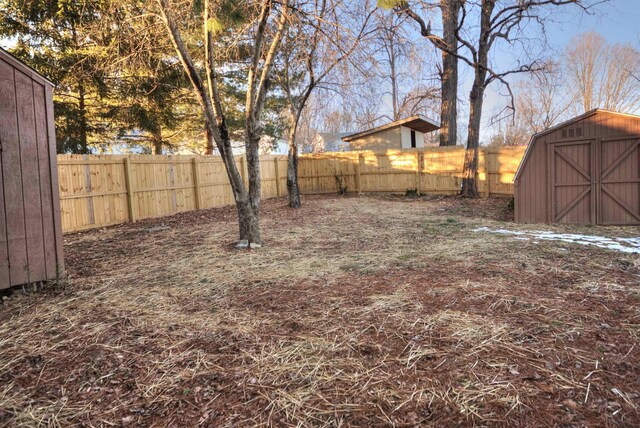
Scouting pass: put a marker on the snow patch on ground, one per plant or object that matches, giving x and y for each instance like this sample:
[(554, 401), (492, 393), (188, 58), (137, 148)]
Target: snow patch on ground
[(625, 245)]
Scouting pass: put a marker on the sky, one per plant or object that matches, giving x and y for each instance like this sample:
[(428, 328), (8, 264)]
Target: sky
[(618, 21)]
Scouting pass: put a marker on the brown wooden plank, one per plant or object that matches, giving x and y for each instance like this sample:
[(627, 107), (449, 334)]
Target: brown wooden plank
[(30, 178), (621, 202), (597, 173), (574, 164), (572, 204), (86, 170), (46, 204), (5, 123), (551, 191), (594, 181), (620, 159), (53, 167), (12, 177)]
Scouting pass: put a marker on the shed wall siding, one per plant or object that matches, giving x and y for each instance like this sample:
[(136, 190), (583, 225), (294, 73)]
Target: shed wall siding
[(531, 191), (383, 140), (532, 188), (30, 233), (12, 177)]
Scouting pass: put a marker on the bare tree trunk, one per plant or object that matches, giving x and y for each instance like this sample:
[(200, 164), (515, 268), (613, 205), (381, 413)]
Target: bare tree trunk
[(157, 143), (248, 221), (292, 166), (476, 99), (210, 143), (247, 202), (84, 127), (248, 218), (469, 184), (259, 81), (252, 150), (449, 76), (394, 80), (157, 147)]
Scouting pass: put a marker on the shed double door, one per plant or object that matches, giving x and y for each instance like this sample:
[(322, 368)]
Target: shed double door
[(595, 181)]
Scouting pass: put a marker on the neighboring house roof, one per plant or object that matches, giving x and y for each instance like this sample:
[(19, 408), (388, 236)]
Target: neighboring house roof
[(333, 141), (417, 123), (281, 148), (333, 136)]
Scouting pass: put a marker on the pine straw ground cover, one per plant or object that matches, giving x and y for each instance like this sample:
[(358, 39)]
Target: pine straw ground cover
[(369, 311)]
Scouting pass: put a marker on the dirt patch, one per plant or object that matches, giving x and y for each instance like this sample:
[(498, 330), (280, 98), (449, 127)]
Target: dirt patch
[(359, 311)]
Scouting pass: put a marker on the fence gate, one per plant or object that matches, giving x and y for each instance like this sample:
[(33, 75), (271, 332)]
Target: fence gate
[(573, 195), (619, 181)]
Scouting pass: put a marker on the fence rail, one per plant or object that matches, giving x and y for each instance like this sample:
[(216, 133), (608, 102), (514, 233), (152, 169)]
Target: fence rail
[(102, 190)]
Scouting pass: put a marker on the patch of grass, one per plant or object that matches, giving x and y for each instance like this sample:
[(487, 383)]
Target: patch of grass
[(442, 227), (362, 268), (409, 256)]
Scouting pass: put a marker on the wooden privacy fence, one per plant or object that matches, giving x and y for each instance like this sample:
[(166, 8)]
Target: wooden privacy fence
[(102, 190), (434, 170)]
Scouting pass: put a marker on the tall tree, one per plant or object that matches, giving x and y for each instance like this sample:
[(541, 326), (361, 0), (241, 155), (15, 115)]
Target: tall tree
[(267, 24), (63, 40), (400, 66), (115, 77), (542, 99), (394, 52), (448, 69), (450, 12), (498, 21), (150, 101), (312, 49), (601, 74)]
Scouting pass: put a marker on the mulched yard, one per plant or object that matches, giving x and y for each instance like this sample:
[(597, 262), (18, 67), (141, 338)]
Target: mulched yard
[(358, 311)]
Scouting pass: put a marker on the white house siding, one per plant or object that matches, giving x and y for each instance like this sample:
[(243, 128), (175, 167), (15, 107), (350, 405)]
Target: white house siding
[(406, 138)]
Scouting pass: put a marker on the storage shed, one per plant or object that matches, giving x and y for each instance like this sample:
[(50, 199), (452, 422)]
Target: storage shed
[(405, 133), (30, 230), (583, 171)]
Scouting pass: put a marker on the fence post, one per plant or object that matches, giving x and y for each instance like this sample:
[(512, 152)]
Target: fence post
[(275, 164), (486, 173), (418, 172), (130, 190), (88, 189), (196, 183), (358, 173)]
